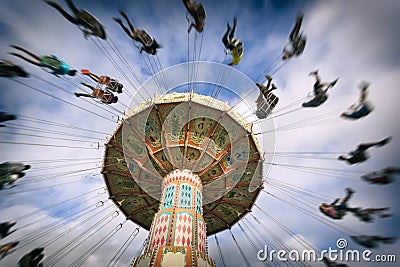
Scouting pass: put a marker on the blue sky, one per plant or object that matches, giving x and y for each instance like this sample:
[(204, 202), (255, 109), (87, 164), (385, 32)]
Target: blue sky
[(353, 40)]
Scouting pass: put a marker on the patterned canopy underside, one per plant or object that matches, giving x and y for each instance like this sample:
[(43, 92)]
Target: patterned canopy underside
[(216, 142)]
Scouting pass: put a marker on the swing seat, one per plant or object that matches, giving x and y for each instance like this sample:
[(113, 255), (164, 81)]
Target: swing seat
[(262, 114), (98, 93), (300, 45), (265, 106), (272, 100), (114, 85), (103, 97), (146, 39), (358, 113), (318, 100)]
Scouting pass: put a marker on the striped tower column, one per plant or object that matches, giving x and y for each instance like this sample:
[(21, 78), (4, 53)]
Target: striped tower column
[(178, 233)]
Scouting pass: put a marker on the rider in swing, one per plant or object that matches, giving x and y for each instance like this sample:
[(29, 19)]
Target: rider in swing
[(110, 83), (297, 40), (149, 44), (234, 45), (52, 62), (360, 154), (266, 101), (337, 212), (363, 108), (196, 10), (320, 89), (90, 25), (105, 96)]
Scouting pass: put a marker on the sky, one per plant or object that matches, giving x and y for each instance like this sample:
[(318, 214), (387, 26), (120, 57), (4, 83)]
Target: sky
[(353, 40)]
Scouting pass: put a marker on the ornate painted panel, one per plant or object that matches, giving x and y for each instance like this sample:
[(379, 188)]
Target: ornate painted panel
[(202, 238), (169, 196), (161, 229), (183, 232), (185, 196)]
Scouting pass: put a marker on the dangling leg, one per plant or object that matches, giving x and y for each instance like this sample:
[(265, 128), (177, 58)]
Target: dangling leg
[(343, 157), (62, 11), (89, 86), (72, 6), (376, 210), (190, 27), (365, 146), (10, 232), (232, 34), (126, 30), (187, 4), (133, 30), (379, 212), (269, 79), (225, 40), (390, 170), (385, 240), (317, 78), (263, 90), (27, 59), (37, 259), (296, 28), (94, 77), (26, 51), (349, 192), (331, 84), (5, 117), (7, 61), (317, 85), (83, 94)]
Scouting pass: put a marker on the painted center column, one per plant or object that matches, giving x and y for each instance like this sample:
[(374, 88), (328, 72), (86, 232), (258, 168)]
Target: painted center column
[(178, 233)]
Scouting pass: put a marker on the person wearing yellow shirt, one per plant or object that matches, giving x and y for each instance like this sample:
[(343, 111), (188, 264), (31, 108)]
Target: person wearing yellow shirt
[(232, 43)]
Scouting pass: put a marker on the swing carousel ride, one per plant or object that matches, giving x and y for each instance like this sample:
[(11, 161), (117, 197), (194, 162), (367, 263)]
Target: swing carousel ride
[(186, 160)]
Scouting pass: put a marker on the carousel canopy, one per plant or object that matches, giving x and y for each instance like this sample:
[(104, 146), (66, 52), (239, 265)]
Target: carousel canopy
[(184, 131)]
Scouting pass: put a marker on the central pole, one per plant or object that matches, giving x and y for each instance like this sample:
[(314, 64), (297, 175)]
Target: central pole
[(178, 233)]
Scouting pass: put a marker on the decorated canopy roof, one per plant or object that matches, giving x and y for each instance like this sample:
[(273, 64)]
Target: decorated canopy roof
[(184, 131)]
